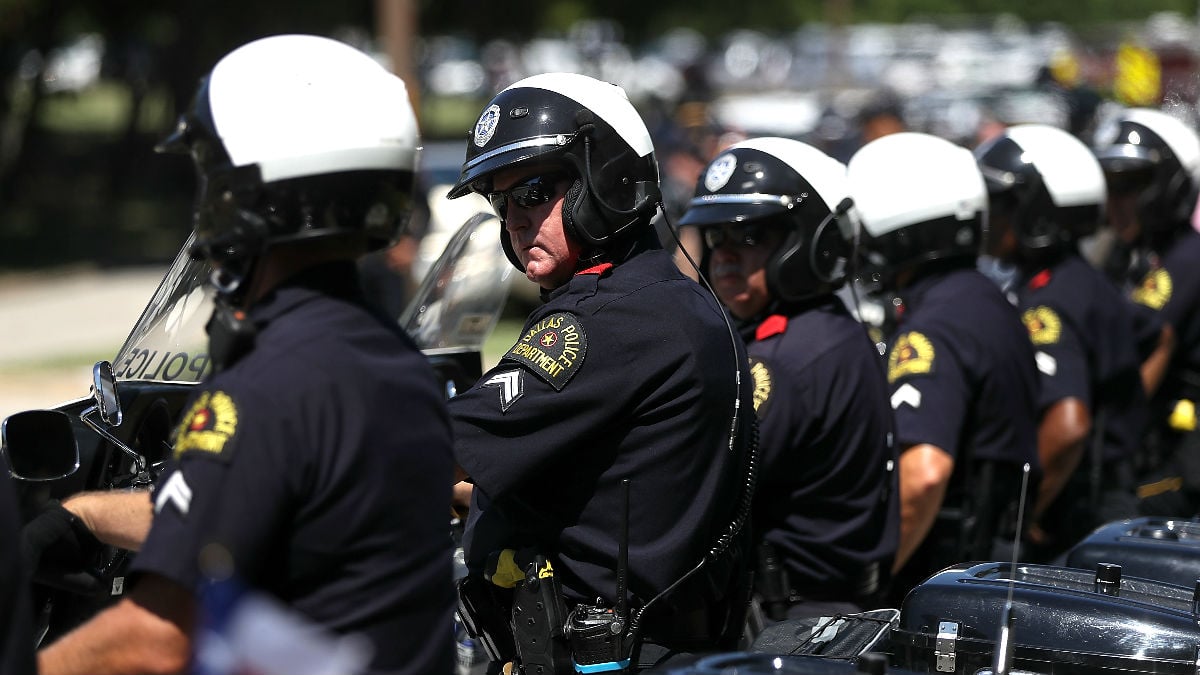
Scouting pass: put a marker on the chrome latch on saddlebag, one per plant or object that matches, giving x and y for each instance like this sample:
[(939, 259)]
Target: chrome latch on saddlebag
[(943, 650)]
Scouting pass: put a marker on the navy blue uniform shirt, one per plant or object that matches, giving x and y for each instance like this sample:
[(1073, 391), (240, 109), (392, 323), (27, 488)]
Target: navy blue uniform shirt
[(625, 372), (826, 498), (16, 617), (961, 371), (1172, 288), (321, 461), (1082, 329)]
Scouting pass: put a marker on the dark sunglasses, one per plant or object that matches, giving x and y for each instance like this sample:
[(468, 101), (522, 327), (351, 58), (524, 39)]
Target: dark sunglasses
[(744, 235), (531, 192)]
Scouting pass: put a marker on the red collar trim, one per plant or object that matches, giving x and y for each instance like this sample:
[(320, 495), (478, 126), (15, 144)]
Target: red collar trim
[(1040, 280), (598, 269), (776, 324)]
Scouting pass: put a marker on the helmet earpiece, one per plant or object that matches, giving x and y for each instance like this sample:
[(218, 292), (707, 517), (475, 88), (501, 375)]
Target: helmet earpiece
[(589, 215), (830, 253), (810, 262)]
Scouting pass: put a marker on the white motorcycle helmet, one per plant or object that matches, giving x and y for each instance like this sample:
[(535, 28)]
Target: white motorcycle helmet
[(1048, 183), (295, 137), (919, 198)]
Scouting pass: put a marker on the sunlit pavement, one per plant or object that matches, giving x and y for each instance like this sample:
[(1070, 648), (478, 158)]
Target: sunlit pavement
[(54, 324)]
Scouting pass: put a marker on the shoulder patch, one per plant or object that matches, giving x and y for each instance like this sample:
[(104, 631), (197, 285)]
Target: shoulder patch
[(552, 348), (911, 355), (1043, 324), (1155, 289), (762, 385), (208, 426)]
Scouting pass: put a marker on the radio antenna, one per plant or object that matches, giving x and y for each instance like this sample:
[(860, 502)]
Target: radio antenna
[(1004, 645), (621, 608)]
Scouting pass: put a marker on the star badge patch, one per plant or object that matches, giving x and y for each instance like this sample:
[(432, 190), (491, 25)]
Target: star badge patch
[(552, 348)]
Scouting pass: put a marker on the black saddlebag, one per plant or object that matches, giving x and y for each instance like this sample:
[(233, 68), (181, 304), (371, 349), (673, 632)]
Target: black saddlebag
[(1153, 548), (1066, 621)]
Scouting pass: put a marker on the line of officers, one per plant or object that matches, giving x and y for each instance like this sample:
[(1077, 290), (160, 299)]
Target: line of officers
[(1005, 350), (691, 449)]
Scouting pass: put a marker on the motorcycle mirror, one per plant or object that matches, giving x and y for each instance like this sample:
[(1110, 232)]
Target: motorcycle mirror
[(39, 445), (104, 385)]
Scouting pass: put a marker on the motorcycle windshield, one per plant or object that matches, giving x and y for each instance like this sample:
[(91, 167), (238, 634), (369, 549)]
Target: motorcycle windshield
[(168, 343), (455, 309), (462, 296)]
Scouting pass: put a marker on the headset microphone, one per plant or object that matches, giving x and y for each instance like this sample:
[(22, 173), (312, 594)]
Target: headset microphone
[(842, 207)]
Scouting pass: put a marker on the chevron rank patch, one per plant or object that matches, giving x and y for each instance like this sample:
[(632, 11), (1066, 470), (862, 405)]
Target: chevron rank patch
[(552, 348), (1043, 324), (511, 385), (1155, 289), (175, 492), (762, 385), (911, 355), (208, 426)]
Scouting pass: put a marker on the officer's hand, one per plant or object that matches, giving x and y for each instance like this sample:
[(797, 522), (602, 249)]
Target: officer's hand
[(507, 568), (57, 534)]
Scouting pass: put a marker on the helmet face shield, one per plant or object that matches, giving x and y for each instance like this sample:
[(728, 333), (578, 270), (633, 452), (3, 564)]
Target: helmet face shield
[(1123, 180)]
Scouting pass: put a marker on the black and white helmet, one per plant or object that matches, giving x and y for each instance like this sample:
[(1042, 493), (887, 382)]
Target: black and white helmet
[(919, 198), (1158, 156), (789, 184), (589, 127), (293, 137), (1048, 182)]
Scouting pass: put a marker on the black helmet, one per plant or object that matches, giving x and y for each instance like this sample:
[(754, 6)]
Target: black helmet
[(919, 198), (779, 180), (1048, 180), (297, 137), (585, 124), (1157, 155)]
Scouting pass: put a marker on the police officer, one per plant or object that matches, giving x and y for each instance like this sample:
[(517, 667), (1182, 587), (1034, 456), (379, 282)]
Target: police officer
[(1152, 163), (315, 463), (961, 366), (1045, 192), (628, 371), (825, 516)]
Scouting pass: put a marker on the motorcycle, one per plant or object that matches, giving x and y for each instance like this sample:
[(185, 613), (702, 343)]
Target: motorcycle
[(119, 437)]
